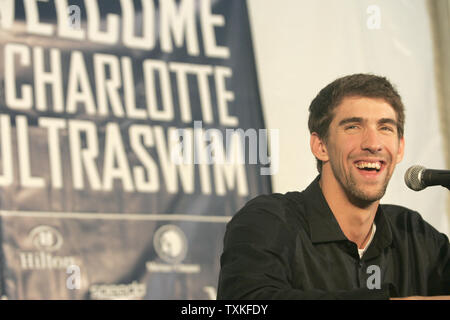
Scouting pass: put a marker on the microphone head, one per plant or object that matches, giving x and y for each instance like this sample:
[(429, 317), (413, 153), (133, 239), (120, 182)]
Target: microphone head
[(413, 178)]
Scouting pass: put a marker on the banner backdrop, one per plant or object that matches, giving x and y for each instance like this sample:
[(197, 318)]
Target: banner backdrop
[(123, 127)]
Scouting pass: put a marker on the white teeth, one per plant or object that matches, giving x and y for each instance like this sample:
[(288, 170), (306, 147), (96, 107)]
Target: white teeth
[(373, 165)]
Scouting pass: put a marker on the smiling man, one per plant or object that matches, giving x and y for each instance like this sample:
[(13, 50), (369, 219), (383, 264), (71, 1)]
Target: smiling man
[(334, 240)]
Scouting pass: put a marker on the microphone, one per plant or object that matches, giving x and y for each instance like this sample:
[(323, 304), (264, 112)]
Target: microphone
[(418, 178)]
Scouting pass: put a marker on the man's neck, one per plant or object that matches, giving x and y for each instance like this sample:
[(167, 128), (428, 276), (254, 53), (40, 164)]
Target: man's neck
[(354, 221)]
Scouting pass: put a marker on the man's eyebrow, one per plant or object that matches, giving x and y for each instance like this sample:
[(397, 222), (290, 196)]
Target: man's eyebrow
[(350, 120), (388, 121), (360, 120)]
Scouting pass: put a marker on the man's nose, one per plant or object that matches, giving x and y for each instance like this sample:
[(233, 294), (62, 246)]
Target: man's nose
[(371, 141)]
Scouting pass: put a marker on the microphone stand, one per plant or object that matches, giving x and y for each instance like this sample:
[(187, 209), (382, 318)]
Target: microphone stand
[(436, 177)]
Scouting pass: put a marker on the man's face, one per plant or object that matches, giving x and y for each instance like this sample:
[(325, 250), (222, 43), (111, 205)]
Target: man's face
[(363, 147)]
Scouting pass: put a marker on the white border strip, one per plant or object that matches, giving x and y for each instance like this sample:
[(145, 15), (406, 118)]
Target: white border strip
[(114, 216)]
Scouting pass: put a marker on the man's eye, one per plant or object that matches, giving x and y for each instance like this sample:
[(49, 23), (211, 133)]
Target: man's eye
[(351, 127), (387, 129)]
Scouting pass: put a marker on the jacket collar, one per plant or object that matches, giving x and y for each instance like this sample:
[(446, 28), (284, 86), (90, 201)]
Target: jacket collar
[(324, 227)]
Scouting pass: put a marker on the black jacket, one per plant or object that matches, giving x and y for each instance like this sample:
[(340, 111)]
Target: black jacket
[(291, 247)]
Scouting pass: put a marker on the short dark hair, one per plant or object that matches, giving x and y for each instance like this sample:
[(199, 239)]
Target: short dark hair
[(363, 85)]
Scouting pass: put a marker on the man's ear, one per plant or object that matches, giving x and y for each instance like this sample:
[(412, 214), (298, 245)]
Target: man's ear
[(318, 147), (401, 149)]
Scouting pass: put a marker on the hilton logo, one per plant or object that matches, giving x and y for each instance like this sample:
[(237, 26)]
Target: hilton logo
[(46, 240)]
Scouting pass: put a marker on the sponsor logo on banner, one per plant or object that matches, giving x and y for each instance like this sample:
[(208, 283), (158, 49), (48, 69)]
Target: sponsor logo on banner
[(129, 291), (46, 240), (171, 245)]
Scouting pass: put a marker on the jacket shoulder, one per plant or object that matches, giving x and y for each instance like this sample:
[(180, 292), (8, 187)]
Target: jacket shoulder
[(280, 205), (407, 221), (285, 211), (394, 211)]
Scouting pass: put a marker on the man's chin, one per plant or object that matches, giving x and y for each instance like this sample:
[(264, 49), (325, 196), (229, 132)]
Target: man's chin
[(363, 198)]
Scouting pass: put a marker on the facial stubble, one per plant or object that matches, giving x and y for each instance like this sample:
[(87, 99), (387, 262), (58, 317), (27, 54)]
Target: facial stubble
[(358, 195)]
